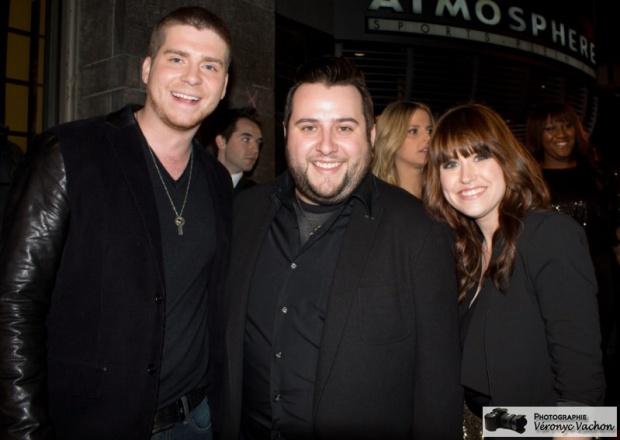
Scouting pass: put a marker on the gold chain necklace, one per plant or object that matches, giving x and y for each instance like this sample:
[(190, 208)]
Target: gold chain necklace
[(179, 221), (303, 213)]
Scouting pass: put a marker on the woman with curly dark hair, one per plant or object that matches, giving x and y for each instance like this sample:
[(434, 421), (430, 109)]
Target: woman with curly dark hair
[(529, 317), (582, 186)]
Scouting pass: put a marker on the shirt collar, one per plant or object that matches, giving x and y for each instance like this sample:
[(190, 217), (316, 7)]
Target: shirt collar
[(282, 192), (236, 178)]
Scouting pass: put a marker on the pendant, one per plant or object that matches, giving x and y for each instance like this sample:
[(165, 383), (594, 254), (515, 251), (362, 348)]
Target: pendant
[(179, 221), (315, 229)]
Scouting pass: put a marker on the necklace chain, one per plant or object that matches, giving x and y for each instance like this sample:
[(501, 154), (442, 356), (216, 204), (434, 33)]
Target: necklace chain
[(303, 213), (179, 221)]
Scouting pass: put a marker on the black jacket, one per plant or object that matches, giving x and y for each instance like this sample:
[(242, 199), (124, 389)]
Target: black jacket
[(81, 285), (389, 358), (243, 184), (541, 338)]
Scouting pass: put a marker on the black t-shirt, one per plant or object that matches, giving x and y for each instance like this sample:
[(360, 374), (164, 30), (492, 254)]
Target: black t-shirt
[(187, 261)]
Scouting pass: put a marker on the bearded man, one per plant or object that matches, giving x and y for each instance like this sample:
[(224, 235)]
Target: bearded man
[(341, 298)]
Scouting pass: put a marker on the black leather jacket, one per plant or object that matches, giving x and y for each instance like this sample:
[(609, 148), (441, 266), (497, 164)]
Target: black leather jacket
[(31, 246), (82, 318)]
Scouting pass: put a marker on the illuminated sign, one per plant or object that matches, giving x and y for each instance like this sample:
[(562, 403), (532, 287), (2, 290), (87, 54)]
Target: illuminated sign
[(544, 28)]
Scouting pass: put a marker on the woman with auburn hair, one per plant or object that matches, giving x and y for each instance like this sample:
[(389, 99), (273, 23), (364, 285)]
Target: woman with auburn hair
[(403, 131), (529, 319)]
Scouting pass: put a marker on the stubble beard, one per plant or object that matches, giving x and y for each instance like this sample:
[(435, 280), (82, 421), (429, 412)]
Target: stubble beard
[(338, 194), (161, 113)]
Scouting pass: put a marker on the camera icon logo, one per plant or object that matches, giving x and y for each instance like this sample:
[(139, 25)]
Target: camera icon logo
[(499, 418)]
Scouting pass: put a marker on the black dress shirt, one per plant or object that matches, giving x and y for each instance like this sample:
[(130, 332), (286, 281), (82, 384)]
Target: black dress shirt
[(286, 309)]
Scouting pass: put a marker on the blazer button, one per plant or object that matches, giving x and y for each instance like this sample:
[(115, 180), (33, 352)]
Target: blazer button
[(151, 369), (159, 298)]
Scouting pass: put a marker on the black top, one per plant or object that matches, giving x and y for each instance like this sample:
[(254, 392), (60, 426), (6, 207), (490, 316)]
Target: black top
[(243, 184), (286, 310), (538, 343), (187, 262), (574, 192)]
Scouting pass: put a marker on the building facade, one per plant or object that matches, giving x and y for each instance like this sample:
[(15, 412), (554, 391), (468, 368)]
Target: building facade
[(509, 54), (70, 59)]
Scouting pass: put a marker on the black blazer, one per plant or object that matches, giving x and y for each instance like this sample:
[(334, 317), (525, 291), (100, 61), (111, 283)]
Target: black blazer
[(541, 338), (243, 184), (389, 357), (81, 282)]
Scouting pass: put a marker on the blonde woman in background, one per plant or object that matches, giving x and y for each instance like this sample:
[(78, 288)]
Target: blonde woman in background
[(403, 132)]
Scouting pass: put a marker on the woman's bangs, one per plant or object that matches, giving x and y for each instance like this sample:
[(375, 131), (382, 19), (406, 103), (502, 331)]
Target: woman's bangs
[(464, 145), (559, 116)]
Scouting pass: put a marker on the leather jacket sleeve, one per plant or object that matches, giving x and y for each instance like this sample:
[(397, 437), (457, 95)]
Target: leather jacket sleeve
[(31, 244)]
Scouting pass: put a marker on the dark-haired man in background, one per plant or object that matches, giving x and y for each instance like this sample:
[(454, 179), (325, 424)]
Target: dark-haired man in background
[(238, 140)]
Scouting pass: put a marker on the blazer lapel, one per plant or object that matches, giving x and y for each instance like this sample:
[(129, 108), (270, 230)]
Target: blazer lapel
[(349, 270), (124, 139), (248, 244)]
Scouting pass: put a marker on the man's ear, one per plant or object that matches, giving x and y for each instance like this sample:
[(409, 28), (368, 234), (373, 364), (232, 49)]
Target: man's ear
[(146, 69), (220, 142), (225, 87)]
